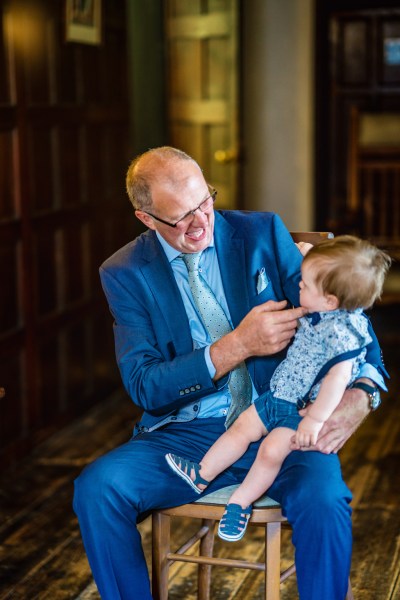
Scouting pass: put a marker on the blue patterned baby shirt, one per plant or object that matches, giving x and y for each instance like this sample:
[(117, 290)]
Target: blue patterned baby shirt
[(322, 339)]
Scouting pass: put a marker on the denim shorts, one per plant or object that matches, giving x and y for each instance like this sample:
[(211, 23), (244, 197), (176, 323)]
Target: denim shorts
[(275, 412)]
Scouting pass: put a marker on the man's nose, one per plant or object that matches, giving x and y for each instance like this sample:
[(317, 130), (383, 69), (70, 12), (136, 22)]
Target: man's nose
[(199, 216)]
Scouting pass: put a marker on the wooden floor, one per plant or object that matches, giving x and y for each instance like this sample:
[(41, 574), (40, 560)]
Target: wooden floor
[(41, 554)]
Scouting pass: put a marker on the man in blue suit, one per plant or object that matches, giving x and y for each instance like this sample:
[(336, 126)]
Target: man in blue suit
[(180, 378)]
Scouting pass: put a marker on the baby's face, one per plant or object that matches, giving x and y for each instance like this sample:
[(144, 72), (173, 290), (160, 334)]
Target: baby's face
[(311, 296)]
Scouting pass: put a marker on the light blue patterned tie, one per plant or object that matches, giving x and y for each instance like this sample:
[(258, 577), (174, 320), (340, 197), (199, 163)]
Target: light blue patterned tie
[(217, 325)]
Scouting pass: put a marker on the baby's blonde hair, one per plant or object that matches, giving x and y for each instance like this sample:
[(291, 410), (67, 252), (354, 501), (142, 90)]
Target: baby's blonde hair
[(351, 269)]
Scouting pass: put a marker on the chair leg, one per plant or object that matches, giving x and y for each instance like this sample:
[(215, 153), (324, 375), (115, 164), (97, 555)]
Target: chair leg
[(272, 560), (206, 549), (161, 534)]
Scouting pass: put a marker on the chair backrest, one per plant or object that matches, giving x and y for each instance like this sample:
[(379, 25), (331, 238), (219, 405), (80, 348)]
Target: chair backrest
[(311, 237), (373, 197)]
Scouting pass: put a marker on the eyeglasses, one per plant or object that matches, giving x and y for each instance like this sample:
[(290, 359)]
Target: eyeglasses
[(188, 217)]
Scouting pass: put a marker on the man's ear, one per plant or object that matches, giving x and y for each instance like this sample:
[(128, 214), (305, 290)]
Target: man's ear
[(332, 301), (145, 218)]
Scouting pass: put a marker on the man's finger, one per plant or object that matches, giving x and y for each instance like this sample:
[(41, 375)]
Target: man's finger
[(273, 305), (284, 316)]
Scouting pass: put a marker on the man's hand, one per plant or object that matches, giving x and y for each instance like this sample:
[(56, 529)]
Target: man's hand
[(268, 328), (265, 330), (348, 416)]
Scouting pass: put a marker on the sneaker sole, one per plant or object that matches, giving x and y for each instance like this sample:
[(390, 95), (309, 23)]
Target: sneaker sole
[(235, 538), (181, 474)]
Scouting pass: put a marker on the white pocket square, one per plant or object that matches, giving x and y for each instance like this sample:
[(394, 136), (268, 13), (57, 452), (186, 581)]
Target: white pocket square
[(262, 281)]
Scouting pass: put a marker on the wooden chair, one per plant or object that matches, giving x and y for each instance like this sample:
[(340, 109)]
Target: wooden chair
[(266, 513), (311, 237)]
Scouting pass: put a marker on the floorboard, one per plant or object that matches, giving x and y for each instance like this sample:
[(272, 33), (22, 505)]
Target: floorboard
[(41, 554)]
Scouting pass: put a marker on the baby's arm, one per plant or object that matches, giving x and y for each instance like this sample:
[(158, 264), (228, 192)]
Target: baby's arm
[(330, 394)]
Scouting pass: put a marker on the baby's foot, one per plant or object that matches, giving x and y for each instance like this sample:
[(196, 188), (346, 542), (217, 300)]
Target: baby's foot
[(188, 471), (234, 521)]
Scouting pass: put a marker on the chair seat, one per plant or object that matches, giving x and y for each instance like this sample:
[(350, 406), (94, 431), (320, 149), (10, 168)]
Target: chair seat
[(222, 496)]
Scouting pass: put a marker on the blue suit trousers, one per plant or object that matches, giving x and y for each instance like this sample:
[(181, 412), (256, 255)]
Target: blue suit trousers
[(121, 488)]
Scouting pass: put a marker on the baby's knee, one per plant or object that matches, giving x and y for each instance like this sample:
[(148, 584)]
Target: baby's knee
[(269, 452)]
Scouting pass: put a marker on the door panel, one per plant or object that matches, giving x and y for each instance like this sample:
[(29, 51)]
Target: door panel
[(202, 88)]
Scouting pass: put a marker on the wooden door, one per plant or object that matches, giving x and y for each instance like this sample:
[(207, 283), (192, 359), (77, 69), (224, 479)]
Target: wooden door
[(202, 88)]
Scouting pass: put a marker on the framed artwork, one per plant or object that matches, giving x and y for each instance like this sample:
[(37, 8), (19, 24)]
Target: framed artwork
[(83, 21)]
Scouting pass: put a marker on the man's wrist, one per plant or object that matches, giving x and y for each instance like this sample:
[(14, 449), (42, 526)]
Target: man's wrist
[(226, 353), (366, 380), (371, 390)]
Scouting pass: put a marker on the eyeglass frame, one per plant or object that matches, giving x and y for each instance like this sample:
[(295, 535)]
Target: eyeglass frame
[(213, 195)]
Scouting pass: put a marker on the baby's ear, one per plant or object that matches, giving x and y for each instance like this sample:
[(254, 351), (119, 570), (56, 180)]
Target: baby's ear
[(332, 301)]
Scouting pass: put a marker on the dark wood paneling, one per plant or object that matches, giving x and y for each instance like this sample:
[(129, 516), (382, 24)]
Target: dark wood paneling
[(8, 206), (9, 313), (388, 32), (353, 58), (13, 417), (64, 150), (352, 70)]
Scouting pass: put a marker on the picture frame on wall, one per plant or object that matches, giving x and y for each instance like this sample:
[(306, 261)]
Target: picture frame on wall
[(83, 21)]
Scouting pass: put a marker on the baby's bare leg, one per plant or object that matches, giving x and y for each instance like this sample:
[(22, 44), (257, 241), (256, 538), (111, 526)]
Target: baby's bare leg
[(232, 444), (247, 428), (271, 454)]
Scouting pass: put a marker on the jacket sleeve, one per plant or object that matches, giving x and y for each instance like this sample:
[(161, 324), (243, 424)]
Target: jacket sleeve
[(157, 376), (374, 354)]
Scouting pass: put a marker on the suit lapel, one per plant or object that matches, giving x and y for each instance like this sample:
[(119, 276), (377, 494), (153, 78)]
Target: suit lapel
[(231, 258), (159, 275)]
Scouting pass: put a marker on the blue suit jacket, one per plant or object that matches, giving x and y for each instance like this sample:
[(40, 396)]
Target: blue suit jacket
[(159, 367)]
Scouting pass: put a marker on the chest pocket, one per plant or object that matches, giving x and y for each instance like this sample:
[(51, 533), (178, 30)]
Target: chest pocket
[(264, 290)]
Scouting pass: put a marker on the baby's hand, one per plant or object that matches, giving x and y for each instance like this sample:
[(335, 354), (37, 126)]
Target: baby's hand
[(304, 247), (307, 432)]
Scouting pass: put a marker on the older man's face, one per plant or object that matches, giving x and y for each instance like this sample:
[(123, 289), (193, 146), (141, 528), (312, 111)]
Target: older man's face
[(173, 199)]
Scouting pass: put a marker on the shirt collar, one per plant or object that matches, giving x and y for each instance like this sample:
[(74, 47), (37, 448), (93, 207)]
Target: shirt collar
[(170, 252), (315, 317)]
